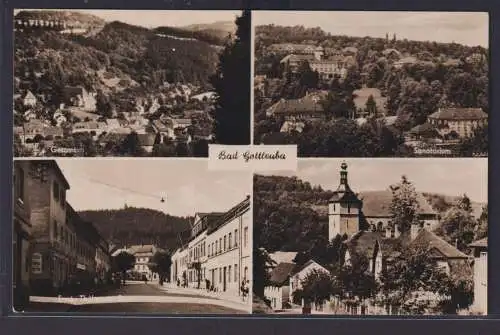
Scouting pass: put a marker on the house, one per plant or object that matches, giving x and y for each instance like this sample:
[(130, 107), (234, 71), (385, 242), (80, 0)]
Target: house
[(278, 292), (291, 63), (176, 123), (91, 127), (206, 96), (300, 273), (480, 253), (329, 69), (462, 121), (289, 126), (143, 255), (77, 96), (29, 99), (307, 108), (410, 60), (21, 236)]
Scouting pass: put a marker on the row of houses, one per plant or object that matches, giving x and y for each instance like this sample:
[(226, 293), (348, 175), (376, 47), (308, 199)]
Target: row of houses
[(52, 244), (218, 256), (365, 219)]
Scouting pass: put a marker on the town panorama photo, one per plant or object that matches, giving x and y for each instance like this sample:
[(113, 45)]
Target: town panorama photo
[(130, 83), (372, 84)]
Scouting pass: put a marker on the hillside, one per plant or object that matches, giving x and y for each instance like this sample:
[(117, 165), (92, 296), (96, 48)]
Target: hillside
[(286, 208), (46, 61), (213, 33), (77, 19), (132, 225)]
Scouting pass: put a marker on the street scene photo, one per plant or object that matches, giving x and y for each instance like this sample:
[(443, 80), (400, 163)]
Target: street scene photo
[(141, 83), (136, 236), (372, 84), (372, 237)]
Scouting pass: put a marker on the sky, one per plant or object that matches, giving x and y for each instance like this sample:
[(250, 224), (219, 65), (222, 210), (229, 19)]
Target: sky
[(186, 184), (156, 18), (452, 177), (469, 28)]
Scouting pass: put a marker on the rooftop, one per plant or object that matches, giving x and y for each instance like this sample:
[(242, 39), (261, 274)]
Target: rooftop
[(281, 273), (459, 114)]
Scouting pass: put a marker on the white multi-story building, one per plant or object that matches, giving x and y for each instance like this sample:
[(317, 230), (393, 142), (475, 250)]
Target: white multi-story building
[(218, 256)]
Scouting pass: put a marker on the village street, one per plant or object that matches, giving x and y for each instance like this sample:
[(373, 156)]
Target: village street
[(138, 297)]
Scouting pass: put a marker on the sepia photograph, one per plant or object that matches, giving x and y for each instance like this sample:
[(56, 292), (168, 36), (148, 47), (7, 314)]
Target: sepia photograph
[(372, 237), (91, 237), (372, 84), (141, 83)]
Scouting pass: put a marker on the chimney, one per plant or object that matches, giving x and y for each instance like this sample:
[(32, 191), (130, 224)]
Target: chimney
[(414, 230)]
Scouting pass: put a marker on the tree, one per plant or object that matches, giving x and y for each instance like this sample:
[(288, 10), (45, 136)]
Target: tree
[(371, 106), (160, 263), (406, 282), (317, 287), (123, 262), (404, 206), (477, 143), (262, 262), (458, 227), (131, 145), (232, 86)]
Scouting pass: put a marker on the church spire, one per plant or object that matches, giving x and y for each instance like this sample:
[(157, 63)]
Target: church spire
[(343, 174)]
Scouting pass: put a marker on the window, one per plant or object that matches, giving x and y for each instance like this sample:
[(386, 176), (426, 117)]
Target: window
[(245, 237), (216, 247), (229, 274), (348, 208), (230, 241), (235, 272), (220, 275), (236, 237), (220, 245), (224, 242), (245, 273), (56, 191)]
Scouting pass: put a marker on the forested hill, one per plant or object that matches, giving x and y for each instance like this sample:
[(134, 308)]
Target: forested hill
[(290, 214), (132, 225), (46, 60)]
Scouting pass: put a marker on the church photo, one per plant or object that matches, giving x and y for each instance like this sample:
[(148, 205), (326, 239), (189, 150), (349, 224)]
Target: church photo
[(372, 237)]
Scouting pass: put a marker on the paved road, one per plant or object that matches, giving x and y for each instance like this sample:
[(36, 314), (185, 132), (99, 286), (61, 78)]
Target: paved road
[(141, 298)]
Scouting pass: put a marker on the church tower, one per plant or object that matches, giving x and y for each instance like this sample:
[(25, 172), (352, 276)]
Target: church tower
[(344, 209)]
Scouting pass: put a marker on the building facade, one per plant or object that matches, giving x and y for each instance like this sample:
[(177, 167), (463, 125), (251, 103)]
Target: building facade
[(21, 239), (462, 121), (218, 257), (143, 257), (63, 246), (480, 252)]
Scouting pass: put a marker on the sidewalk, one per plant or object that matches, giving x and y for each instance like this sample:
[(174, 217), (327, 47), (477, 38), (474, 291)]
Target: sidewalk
[(224, 296)]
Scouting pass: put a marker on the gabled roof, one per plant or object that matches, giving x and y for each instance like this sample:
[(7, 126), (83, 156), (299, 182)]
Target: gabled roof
[(483, 243), (459, 114), (363, 243), (298, 269), (438, 247), (29, 95), (296, 106), (377, 203), (141, 249), (281, 273)]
